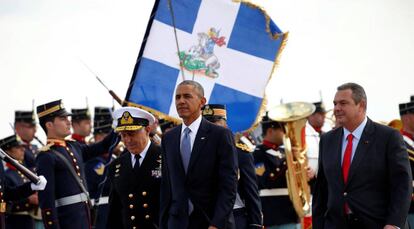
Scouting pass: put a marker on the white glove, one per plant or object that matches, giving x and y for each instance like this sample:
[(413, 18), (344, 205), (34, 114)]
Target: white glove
[(41, 186)]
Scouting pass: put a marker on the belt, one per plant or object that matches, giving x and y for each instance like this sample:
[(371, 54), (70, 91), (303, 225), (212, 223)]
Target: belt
[(101, 201), (78, 198), (274, 192)]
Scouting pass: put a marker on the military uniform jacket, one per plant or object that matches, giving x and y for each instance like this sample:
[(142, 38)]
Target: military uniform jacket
[(409, 143), (61, 183), (247, 187), (10, 193), (30, 152), (135, 192), (271, 174)]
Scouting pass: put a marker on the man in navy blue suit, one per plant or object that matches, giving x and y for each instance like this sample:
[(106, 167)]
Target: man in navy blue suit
[(199, 181), (364, 178)]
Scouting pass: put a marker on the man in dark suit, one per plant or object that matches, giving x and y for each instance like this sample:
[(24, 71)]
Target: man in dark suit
[(247, 208), (135, 176), (364, 177), (199, 182)]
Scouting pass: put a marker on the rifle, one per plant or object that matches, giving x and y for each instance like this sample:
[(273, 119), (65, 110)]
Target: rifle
[(25, 171), (112, 93)]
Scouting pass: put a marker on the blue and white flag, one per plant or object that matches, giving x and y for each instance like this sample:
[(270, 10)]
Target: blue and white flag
[(230, 47)]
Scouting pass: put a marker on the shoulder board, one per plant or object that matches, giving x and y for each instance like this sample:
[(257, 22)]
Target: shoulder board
[(46, 147), (244, 147), (410, 154)]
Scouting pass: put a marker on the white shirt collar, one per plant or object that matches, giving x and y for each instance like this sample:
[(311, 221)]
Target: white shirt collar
[(193, 126), (142, 154), (358, 131)]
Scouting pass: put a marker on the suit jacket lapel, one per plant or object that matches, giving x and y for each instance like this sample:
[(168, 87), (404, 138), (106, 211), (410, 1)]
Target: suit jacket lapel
[(200, 140), (175, 154), (362, 148), (337, 154)]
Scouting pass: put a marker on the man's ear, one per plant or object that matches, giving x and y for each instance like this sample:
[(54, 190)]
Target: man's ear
[(203, 101), (49, 125)]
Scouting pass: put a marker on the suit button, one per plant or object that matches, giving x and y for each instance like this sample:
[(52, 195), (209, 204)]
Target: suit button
[(147, 216), (47, 213), (134, 227), (131, 206), (144, 193), (50, 223), (345, 193), (272, 175), (132, 217), (17, 207), (26, 205), (131, 195), (145, 205), (277, 169)]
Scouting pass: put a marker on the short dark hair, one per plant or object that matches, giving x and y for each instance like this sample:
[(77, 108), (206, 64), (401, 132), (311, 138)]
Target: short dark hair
[(44, 120), (358, 92), (197, 86)]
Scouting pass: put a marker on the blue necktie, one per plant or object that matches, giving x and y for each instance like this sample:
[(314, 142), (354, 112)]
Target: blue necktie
[(185, 155), (186, 148)]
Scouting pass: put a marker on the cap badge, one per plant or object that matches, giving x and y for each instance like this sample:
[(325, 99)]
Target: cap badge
[(126, 118)]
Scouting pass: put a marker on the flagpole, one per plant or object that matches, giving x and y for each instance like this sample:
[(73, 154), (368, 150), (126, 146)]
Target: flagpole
[(176, 39)]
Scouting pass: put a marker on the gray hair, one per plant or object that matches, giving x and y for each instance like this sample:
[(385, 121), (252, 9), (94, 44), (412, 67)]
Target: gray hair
[(197, 86), (358, 92)]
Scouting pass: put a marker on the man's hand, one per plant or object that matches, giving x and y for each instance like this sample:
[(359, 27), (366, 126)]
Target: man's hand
[(310, 173), (41, 186)]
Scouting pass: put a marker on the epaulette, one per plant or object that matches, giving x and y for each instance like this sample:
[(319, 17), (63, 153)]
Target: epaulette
[(244, 147), (46, 147), (410, 154)]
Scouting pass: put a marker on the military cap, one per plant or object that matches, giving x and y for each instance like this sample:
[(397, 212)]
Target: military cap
[(52, 109), (102, 120), (25, 116), (269, 123), (165, 124), (412, 98), (406, 108), (320, 108), (81, 114), (9, 142), (214, 112), (131, 118)]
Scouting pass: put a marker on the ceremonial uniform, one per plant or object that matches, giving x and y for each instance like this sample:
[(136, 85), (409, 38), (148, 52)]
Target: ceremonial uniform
[(96, 172), (63, 202), (270, 163), (18, 212), (77, 116), (247, 207), (135, 178), (30, 150)]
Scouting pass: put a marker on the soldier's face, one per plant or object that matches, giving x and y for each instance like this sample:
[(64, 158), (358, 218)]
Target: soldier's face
[(26, 131), (188, 102), (135, 141), (82, 127), (17, 152), (317, 119), (60, 127)]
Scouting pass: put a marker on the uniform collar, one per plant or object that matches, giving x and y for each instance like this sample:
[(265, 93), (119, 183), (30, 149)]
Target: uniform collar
[(78, 138), (270, 144), (405, 133), (56, 142)]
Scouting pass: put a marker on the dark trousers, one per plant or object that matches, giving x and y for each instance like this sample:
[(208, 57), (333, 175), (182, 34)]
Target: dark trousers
[(240, 217)]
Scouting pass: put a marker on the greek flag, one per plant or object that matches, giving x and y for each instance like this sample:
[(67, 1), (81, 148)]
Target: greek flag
[(230, 47)]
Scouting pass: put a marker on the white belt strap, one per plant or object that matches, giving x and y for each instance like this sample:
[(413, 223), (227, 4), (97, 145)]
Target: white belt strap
[(102, 200), (274, 192), (81, 197)]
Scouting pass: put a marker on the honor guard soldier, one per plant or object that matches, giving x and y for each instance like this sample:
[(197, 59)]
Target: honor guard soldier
[(135, 176), (81, 124), (270, 163), (25, 127), (95, 168), (14, 190), (64, 202), (407, 119), (247, 209), (165, 125), (313, 130)]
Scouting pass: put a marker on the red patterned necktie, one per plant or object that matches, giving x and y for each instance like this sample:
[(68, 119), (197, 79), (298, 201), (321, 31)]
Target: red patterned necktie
[(346, 164)]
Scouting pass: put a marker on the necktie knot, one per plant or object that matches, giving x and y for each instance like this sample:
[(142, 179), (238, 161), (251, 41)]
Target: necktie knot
[(187, 131), (350, 137), (137, 157)]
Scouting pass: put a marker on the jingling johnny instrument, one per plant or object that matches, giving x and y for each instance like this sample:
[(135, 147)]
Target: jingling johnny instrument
[(294, 115)]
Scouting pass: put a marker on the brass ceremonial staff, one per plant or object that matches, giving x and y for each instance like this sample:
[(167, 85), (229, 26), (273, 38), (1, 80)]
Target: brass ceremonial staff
[(112, 93), (29, 174)]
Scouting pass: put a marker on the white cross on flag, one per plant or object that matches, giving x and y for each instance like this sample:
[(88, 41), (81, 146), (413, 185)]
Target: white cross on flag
[(229, 47)]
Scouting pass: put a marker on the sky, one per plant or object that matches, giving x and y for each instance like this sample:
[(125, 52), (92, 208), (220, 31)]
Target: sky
[(44, 43)]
